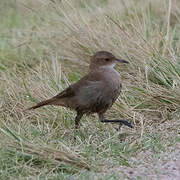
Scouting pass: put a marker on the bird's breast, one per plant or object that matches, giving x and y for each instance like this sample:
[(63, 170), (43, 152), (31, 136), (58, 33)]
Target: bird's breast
[(112, 78)]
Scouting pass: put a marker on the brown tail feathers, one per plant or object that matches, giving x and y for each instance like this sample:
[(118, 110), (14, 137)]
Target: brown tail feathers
[(43, 103)]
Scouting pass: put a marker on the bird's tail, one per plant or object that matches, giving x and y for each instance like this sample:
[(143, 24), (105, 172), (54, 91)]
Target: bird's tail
[(43, 103)]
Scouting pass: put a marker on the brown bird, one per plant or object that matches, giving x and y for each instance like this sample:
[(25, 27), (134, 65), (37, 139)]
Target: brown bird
[(94, 93)]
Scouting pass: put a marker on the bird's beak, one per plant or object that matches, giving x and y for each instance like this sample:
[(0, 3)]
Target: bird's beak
[(121, 61)]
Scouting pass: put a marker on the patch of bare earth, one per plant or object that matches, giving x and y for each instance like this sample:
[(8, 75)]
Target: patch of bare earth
[(164, 165)]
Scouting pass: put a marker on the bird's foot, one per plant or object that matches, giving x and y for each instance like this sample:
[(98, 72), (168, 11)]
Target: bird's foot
[(121, 122), (124, 122)]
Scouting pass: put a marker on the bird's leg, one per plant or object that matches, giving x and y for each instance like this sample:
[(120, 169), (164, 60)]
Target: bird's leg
[(121, 122), (77, 119)]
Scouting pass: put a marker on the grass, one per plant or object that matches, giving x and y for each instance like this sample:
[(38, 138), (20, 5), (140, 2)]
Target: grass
[(46, 45)]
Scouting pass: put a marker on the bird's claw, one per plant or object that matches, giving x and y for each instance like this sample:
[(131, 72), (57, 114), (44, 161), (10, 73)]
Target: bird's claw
[(124, 122)]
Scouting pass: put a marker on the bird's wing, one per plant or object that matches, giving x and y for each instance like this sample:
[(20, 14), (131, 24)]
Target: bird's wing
[(86, 86), (91, 93), (68, 92)]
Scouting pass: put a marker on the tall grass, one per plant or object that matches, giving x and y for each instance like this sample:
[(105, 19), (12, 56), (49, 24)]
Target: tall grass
[(46, 45)]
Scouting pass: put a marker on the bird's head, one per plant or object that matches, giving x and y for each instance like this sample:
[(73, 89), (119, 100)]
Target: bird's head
[(103, 59)]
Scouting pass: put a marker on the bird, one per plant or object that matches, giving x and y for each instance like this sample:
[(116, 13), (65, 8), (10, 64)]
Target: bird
[(95, 92)]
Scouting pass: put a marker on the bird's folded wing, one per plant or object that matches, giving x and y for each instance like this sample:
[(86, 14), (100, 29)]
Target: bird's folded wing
[(68, 92), (89, 85)]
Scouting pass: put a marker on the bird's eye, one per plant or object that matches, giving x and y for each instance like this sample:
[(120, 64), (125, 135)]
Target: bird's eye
[(106, 59)]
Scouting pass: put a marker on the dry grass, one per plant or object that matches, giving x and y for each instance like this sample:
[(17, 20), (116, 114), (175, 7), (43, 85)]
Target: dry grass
[(46, 45)]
